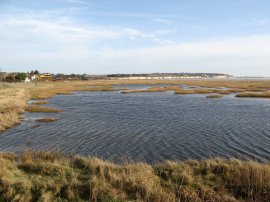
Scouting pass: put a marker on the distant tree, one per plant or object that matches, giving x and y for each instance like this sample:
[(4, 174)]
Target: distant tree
[(84, 77), (20, 77), (36, 72)]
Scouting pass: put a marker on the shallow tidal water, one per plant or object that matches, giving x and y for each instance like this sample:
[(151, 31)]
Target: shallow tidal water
[(148, 127)]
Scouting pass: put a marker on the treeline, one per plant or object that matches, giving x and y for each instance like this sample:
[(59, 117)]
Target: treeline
[(18, 77)]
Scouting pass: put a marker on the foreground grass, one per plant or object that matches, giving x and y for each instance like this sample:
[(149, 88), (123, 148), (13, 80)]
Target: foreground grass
[(46, 176)]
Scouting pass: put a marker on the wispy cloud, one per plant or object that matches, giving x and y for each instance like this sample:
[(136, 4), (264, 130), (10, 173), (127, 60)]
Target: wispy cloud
[(63, 33), (164, 21), (81, 2), (261, 21)]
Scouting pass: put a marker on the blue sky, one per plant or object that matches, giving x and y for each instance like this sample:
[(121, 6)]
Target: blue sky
[(136, 36)]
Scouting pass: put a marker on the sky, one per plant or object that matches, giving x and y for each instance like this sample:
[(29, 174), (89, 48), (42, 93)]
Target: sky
[(136, 36)]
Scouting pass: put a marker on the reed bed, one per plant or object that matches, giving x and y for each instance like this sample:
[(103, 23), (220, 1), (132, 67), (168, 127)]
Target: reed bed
[(52, 176)]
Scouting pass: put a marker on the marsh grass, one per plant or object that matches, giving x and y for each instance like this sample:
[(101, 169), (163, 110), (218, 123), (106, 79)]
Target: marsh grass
[(52, 176), (40, 102), (12, 102), (152, 89), (46, 120), (253, 95), (33, 108), (214, 96)]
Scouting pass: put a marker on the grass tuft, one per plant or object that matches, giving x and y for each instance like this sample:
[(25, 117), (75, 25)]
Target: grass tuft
[(254, 95), (46, 120), (32, 108), (40, 103), (214, 96)]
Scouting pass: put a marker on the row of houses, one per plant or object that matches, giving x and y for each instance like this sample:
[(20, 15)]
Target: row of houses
[(169, 76), (40, 77)]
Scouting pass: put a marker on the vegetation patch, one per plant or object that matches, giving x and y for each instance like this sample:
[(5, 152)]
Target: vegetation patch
[(46, 120), (32, 108)]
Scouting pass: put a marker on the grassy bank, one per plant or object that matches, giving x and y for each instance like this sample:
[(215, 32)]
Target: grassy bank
[(13, 99), (45, 176)]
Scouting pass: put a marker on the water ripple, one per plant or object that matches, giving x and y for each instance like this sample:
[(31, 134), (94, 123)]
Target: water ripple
[(148, 126)]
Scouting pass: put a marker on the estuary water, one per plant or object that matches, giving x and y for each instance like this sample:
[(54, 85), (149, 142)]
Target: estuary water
[(148, 127)]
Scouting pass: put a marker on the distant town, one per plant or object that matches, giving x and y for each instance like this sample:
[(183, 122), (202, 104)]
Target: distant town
[(35, 75)]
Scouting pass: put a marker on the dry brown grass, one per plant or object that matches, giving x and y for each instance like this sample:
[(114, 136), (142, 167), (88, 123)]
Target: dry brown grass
[(40, 102), (152, 89), (33, 108), (51, 176), (254, 95), (46, 120), (13, 98), (214, 96), (51, 89), (195, 91)]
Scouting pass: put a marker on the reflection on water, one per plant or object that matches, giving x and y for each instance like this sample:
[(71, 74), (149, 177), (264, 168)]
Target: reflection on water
[(148, 126)]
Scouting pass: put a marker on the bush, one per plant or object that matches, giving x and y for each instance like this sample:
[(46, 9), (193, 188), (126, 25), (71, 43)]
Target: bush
[(20, 76)]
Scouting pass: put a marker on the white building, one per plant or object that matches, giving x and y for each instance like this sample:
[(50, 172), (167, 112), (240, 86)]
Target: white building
[(27, 79)]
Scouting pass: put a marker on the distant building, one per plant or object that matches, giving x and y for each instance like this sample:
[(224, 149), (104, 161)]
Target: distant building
[(167, 76), (58, 77), (45, 77), (27, 79), (34, 77)]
